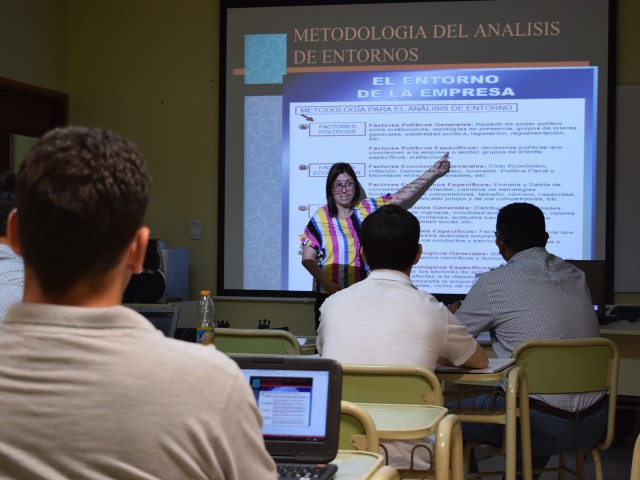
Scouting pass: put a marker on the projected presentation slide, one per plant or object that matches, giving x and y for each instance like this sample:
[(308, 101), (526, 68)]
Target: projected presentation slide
[(516, 92), (512, 135)]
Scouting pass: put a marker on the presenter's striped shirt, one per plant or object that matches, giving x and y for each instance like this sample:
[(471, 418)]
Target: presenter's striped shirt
[(337, 242)]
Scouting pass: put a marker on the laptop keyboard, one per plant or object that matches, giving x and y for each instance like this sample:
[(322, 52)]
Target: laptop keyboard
[(303, 471)]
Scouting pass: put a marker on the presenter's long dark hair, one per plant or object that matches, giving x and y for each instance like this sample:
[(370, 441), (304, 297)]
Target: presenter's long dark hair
[(338, 169)]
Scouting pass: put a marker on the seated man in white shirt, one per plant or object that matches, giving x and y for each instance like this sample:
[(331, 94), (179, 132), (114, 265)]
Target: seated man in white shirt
[(386, 320), (89, 388)]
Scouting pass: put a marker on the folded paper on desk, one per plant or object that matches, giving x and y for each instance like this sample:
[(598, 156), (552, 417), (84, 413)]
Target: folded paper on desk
[(495, 365)]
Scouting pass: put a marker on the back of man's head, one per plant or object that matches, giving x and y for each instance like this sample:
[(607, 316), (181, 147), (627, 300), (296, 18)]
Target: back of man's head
[(521, 226), (7, 199), (81, 197), (390, 238)]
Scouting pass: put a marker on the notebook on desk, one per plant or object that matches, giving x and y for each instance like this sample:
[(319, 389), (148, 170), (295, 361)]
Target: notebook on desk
[(496, 365), (299, 399)]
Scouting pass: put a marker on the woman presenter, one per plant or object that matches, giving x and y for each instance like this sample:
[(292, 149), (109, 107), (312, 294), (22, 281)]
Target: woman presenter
[(330, 244)]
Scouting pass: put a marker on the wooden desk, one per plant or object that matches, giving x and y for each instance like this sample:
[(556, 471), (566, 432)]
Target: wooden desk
[(353, 465), (515, 390), (413, 422)]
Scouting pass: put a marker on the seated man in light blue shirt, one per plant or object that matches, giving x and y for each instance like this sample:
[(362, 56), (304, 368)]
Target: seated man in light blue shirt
[(11, 268), (535, 295)]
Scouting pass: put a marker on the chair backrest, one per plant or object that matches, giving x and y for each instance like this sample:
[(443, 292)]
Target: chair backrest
[(256, 341), (400, 384), (572, 366), (357, 430)]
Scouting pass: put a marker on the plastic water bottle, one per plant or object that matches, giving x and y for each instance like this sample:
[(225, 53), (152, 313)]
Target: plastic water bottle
[(206, 319)]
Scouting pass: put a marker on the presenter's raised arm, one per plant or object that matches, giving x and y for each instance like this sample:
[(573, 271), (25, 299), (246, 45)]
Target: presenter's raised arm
[(408, 195), (311, 264)]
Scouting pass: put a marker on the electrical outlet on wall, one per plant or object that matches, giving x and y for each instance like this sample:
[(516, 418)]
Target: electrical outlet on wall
[(195, 229)]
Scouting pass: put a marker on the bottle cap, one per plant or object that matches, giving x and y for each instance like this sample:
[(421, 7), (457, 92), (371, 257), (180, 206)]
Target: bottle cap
[(205, 292)]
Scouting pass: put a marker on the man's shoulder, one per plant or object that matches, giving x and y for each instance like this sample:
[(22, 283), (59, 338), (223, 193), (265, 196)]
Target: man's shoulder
[(199, 356), (377, 281), (9, 259), (538, 261), (185, 366), (521, 263), (388, 286), (354, 297), (158, 353)]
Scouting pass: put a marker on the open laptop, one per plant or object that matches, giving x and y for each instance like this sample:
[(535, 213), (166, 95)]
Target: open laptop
[(299, 399), (163, 317)]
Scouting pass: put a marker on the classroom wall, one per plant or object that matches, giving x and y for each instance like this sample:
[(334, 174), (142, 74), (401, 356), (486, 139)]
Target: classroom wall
[(148, 69), (33, 42), (627, 73), (627, 41)]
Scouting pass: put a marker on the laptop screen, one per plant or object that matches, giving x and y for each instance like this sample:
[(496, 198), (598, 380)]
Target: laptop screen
[(293, 404), (299, 400)]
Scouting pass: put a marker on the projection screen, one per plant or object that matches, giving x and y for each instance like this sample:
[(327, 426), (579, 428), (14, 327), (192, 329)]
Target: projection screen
[(516, 91)]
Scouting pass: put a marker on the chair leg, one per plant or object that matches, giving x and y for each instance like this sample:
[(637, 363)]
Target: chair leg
[(580, 463), (467, 456), (562, 465), (597, 463), (457, 467), (449, 450), (385, 453)]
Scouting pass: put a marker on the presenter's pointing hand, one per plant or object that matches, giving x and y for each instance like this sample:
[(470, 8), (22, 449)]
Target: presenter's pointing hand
[(442, 166)]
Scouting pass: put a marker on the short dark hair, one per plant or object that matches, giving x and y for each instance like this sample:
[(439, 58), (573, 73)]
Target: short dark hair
[(521, 226), (390, 237), (81, 196), (7, 199), (338, 169)]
